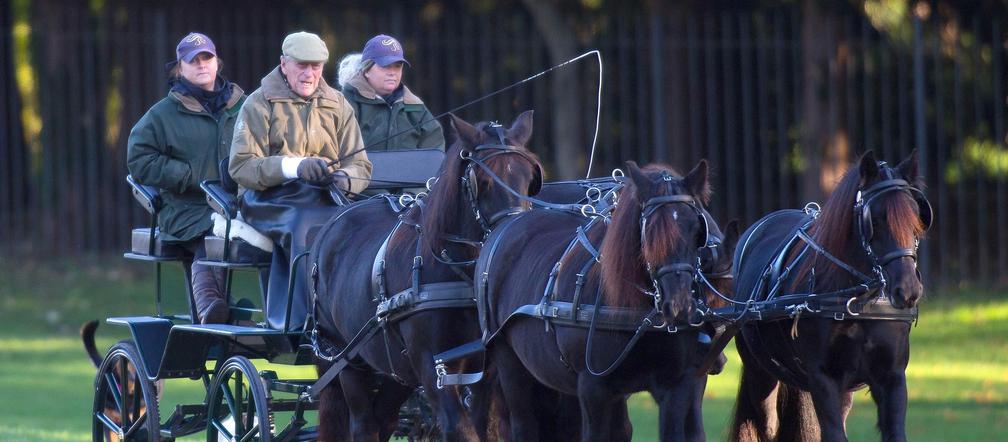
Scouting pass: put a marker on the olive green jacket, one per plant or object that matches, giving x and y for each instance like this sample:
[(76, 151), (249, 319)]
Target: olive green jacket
[(176, 145), (275, 122), (404, 124)]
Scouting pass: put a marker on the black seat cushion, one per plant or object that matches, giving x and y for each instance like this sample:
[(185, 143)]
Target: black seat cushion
[(141, 245)]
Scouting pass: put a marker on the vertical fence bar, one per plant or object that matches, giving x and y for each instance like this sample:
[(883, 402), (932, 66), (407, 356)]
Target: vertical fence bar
[(708, 38), (998, 103), (729, 66), (749, 143), (780, 92), (941, 150), (961, 235), (920, 130), (763, 49), (982, 242)]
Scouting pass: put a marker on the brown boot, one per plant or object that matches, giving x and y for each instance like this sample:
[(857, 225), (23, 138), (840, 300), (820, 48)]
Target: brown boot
[(211, 306)]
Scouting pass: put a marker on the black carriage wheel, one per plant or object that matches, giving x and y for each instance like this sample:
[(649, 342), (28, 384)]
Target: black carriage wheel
[(237, 405), (125, 401)]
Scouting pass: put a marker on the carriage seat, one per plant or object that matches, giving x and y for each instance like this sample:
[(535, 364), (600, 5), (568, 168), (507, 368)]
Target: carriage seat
[(146, 243), (233, 241), (395, 171)]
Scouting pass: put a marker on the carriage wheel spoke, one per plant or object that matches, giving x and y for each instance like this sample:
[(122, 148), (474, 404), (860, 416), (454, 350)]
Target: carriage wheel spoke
[(136, 426), (113, 389), (222, 429), (124, 392), (108, 422), (236, 415)]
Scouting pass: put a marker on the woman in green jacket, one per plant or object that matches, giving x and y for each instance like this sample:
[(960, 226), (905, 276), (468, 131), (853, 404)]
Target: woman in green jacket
[(179, 143), (390, 116)]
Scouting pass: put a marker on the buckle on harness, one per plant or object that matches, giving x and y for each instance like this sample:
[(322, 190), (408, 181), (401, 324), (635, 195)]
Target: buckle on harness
[(441, 372)]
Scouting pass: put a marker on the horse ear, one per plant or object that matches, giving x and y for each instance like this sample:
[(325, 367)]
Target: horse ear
[(731, 235), (868, 167), (696, 182), (451, 136), (465, 131), (521, 130), (640, 181), (908, 168)]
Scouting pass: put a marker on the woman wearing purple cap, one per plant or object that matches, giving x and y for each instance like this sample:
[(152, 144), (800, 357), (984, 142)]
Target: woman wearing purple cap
[(179, 143), (390, 116)]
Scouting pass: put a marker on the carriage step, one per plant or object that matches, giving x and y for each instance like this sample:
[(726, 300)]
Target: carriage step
[(463, 351), (460, 352)]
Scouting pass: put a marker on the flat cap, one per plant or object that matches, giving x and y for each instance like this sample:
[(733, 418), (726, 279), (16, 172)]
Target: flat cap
[(305, 46)]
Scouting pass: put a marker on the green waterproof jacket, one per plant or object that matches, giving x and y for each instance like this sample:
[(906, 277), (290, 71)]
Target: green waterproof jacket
[(176, 145), (380, 122)]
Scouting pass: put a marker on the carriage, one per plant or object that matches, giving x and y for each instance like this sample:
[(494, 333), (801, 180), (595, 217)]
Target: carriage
[(241, 401), (477, 214)]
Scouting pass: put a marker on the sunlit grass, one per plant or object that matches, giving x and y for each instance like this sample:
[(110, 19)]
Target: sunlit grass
[(957, 378)]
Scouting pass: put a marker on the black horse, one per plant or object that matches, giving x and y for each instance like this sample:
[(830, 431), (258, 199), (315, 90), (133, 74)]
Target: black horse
[(428, 248), (648, 254), (858, 258)]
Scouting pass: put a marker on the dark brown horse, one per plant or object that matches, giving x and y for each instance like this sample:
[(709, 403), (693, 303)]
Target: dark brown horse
[(649, 254), (859, 258), (430, 244)]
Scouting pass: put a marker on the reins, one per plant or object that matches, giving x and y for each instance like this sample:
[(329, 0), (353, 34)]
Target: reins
[(598, 110)]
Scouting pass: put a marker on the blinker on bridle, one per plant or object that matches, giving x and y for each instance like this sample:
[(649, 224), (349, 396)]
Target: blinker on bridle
[(469, 177), (862, 212), (649, 208)]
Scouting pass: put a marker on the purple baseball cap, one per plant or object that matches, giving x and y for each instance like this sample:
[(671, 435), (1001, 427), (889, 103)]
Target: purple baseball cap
[(192, 45), (383, 50)]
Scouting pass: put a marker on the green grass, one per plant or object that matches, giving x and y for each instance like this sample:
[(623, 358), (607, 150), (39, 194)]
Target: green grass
[(958, 374)]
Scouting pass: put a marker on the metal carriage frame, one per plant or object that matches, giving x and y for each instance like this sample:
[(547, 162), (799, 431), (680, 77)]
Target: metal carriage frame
[(240, 401)]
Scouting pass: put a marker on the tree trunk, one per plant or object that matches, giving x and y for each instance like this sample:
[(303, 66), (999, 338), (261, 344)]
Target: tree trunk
[(570, 152), (825, 150)]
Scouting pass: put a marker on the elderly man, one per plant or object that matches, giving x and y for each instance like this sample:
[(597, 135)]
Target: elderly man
[(296, 143)]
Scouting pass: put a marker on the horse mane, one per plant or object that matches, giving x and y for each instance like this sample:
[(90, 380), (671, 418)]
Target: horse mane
[(834, 229), (442, 204), (624, 258)]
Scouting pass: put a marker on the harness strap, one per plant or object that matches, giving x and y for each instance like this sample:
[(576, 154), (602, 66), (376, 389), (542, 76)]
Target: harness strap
[(818, 248), (582, 238)]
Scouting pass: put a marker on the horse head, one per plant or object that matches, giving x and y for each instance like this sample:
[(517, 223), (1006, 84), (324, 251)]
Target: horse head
[(890, 215), (655, 238), (716, 261), (487, 172)]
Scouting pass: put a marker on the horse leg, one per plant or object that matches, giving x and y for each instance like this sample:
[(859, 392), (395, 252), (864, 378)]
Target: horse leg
[(797, 418), (621, 428), (359, 387), (827, 396), (387, 403), (674, 406), (559, 414), (890, 394), (446, 404), (334, 416), (846, 406), (694, 418), (519, 387), (597, 400), (755, 417)]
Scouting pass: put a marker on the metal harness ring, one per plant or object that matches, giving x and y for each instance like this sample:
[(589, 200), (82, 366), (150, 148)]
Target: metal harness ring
[(848, 306)]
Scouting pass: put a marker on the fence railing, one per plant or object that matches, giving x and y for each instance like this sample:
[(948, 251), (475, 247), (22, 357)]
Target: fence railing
[(744, 88)]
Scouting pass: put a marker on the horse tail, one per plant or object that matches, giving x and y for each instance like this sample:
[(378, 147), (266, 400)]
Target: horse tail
[(87, 334), (797, 416)]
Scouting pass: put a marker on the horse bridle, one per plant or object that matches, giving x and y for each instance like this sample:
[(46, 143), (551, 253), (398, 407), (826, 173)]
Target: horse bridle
[(471, 185), (862, 212), (647, 209)]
